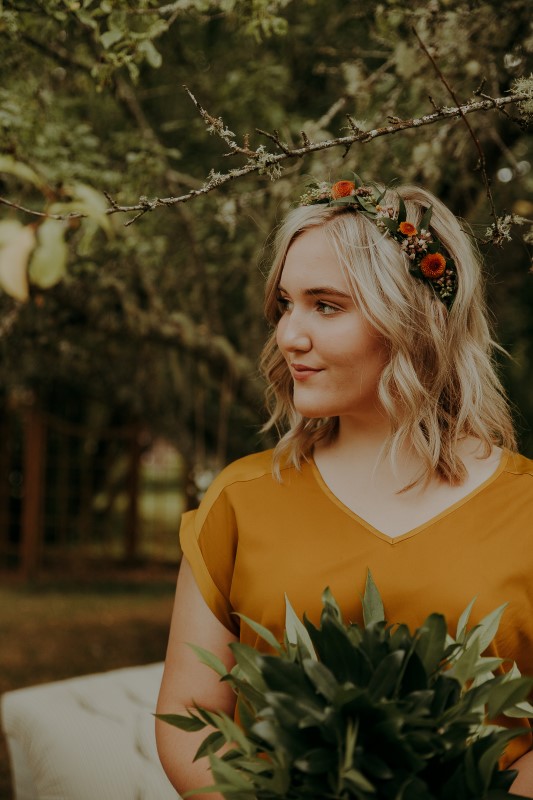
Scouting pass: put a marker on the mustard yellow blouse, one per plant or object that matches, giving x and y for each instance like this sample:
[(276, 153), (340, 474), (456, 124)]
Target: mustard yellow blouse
[(254, 539)]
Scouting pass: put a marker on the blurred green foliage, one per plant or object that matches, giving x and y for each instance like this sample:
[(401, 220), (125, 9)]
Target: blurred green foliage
[(160, 321)]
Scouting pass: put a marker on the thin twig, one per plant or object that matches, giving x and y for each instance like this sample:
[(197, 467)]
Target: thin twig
[(70, 215), (482, 161), (326, 118), (274, 137), (170, 8)]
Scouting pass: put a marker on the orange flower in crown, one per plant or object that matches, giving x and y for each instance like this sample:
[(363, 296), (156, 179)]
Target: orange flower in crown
[(433, 265), (407, 228), (420, 246), (342, 189)]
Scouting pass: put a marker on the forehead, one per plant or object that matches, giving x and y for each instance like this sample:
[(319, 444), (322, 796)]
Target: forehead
[(312, 260)]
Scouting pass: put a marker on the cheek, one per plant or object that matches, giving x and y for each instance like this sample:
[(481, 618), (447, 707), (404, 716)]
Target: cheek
[(280, 328), (366, 353)]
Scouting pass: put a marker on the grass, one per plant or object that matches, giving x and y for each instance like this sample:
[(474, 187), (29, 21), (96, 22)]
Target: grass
[(60, 629)]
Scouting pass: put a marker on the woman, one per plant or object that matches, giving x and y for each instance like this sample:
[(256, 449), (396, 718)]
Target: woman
[(398, 454)]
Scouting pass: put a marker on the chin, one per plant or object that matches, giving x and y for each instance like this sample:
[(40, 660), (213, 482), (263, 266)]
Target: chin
[(313, 411)]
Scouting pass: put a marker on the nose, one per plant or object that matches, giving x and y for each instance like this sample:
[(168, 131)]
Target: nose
[(292, 334)]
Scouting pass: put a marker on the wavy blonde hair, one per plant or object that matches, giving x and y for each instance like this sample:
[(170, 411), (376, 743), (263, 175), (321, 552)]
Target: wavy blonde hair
[(440, 383)]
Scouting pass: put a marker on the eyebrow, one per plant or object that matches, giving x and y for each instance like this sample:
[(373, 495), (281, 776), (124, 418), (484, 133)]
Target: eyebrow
[(331, 291)]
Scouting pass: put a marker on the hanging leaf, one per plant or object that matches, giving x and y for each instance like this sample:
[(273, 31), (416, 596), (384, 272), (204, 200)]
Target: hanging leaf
[(109, 38), (12, 167), (16, 244), (93, 203), (49, 261), (151, 54)]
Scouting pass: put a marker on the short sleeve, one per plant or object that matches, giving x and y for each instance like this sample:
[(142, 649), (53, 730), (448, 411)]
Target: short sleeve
[(208, 538)]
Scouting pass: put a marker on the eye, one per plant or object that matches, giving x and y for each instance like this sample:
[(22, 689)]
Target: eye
[(284, 304), (326, 309)]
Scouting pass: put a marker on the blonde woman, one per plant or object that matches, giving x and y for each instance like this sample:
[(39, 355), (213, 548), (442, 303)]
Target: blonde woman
[(397, 454)]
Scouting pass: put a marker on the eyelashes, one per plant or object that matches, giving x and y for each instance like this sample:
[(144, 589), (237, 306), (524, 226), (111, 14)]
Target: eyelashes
[(324, 308)]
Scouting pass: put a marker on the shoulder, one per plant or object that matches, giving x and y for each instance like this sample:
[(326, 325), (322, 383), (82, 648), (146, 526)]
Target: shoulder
[(238, 482), (249, 468), (517, 464)]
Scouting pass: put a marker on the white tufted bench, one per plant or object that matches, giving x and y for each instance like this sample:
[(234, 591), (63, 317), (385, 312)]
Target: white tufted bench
[(89, 738)]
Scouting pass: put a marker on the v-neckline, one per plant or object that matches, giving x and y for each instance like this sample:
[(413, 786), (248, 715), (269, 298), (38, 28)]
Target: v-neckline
[(402, 537)]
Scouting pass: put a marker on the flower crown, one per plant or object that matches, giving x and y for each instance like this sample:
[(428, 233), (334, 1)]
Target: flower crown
[(422, 248)]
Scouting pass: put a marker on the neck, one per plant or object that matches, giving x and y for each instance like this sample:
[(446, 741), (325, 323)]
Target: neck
[(369, 433), (359, 450)]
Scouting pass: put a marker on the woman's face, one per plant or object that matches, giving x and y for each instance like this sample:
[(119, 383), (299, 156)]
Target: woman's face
[(334, 355)]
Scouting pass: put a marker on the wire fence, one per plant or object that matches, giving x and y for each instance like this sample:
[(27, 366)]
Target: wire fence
[(74, 495)]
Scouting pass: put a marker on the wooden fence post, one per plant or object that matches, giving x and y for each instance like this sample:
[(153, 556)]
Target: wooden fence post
[(132, 514), (33, 492)]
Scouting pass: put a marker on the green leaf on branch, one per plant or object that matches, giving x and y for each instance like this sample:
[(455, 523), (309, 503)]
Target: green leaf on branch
[(48, 264)]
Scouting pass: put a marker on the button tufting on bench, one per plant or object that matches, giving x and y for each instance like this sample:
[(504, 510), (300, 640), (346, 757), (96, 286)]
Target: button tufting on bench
[(88, 738)]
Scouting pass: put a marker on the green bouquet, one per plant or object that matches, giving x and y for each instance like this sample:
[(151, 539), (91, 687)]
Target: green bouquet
[(372, 713)]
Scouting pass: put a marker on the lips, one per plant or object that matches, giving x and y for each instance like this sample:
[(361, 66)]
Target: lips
[(302, 371)]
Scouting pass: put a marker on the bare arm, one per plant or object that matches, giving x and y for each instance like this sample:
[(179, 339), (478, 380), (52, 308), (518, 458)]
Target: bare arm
[(523, 783), (186, 680)]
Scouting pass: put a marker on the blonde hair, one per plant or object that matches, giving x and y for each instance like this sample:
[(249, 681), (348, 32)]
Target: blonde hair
[(440, 384)]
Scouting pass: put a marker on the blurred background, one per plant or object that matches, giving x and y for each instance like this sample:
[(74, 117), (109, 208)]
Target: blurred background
[(128, 353)]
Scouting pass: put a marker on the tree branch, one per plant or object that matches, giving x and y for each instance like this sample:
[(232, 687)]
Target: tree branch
[(481, 154), (262, 161), (18, 207)]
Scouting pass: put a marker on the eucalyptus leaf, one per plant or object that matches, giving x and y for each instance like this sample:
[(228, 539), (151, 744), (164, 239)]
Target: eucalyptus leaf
[(373, 610), (296, 631), (185, 723), (210, 744), (356, 780), (261, 631), (222, 771), (385, 678), (232, 732), (331, 606), (316, 761), (210, 660), (463, 621), (431, 642), (508, 693), (520, 710), (488, 760), (322, 678), (486, 630), (464, 667)]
